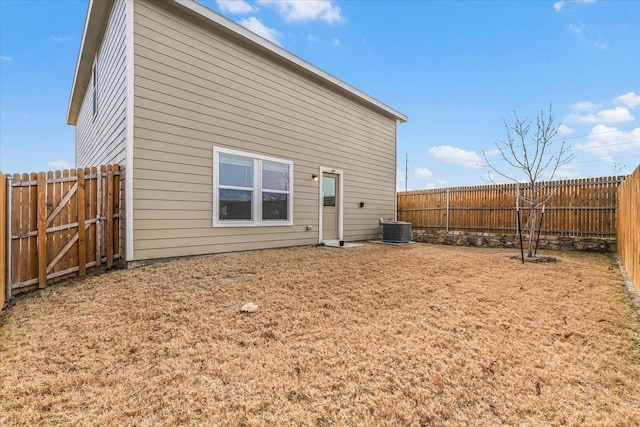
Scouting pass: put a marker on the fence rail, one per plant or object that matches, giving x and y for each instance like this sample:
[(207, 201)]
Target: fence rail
[(57, 225), (628, 238), (578, 207)]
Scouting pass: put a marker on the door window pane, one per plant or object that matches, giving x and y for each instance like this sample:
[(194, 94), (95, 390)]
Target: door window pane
[(235, 204), (275, 176), (275, 205), (329, 190), (236, 171)]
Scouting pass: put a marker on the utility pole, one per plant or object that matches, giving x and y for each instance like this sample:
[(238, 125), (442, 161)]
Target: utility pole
[(406, 171)]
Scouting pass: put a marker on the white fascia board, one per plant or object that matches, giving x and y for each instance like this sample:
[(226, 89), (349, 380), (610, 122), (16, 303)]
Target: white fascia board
[(220, 20)]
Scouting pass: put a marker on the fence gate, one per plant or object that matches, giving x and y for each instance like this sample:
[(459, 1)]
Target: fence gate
[(58, 225)]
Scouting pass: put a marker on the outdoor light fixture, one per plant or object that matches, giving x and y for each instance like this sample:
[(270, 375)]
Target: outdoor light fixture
[(314, 177)]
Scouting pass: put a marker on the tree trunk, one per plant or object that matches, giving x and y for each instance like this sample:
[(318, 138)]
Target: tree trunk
[(532, 229), (532, 218)]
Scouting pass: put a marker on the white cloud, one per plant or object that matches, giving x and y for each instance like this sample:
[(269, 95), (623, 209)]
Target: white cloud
[(630, 100), (5, 58), (430, 185), (495, 178), (567, 171), (565, 130), (58, 39), (492, 152), (557, 6), (253, 24), (304, 11), (576, 28), (455, 155), (312, 39), (336, 42), (59, 164), (423, 173), (584, 106), (400, 181), (612, 115), (606, 141), (600, 45), (235, 6)]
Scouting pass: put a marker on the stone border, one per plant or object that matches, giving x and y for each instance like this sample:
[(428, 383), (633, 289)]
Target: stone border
[(634, 296), (506, 240)]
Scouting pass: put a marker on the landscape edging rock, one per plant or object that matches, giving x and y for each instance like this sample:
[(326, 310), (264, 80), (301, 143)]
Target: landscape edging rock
[(506, 240)]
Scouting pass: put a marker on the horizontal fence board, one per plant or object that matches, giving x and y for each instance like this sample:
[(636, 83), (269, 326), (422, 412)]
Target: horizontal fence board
[(578, 207)]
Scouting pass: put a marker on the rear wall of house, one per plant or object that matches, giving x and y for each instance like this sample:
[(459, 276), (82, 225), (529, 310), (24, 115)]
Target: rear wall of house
[(196, 89)]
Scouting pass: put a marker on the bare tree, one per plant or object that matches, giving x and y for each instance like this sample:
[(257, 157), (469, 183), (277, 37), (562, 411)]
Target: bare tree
[(530, 158)]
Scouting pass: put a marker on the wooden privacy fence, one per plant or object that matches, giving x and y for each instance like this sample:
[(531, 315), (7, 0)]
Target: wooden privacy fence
[(578, 207), (628, 238), (57, 225)]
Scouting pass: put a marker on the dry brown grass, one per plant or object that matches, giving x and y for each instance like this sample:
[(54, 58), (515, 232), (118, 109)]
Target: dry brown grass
[(376, 335)]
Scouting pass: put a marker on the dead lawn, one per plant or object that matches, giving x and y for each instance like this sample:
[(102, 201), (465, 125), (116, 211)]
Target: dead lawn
[(376, 335)]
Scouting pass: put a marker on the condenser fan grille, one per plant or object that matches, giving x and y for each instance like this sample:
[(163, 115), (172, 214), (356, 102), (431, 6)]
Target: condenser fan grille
[(396, 232)]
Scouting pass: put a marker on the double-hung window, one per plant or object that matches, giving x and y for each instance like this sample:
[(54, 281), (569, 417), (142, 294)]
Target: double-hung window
[(251, 189)]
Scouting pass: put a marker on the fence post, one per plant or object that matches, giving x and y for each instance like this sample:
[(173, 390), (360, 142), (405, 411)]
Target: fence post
[(9, 237), (99, 216), (42, 231), (3, 240), (109, 195), (448, 210), (517, 204), (82, 233)]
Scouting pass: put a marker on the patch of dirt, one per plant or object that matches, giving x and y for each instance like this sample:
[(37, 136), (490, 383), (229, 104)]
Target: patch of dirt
[(375, 335)]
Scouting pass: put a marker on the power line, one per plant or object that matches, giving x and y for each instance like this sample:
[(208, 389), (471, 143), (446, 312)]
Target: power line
[(629, 156), (616, 144), (604, 145), (607, 160), (579, 136), (595, 133)]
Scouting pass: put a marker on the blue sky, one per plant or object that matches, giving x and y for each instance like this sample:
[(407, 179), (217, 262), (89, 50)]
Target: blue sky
[(457, 69)]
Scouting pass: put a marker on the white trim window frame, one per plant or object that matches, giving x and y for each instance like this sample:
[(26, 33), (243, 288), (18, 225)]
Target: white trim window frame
[(257, 181)]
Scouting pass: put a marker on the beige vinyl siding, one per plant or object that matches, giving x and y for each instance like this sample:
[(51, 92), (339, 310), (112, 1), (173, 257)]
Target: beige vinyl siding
[(196, 89), (101, 140)]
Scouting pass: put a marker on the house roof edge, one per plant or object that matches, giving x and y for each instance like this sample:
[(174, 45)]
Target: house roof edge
[(94, 27), (212, 16)]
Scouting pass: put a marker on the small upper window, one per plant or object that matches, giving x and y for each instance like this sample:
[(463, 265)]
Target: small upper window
[(95, 89), (251, 189)]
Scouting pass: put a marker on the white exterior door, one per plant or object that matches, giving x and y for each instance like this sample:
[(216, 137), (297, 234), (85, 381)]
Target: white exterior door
[(331, 185), (330, 198)]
